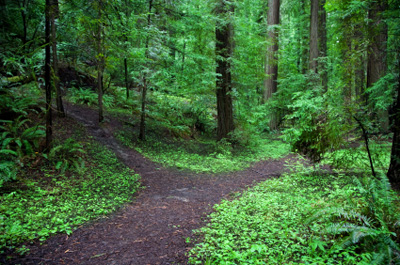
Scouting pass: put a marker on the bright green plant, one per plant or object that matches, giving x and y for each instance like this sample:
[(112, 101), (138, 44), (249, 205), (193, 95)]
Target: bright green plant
[(266, 225), (369, 224), (18, 136), (60, 202), (8, 167), (66, 155), (205, 155), (84, 96), (319, 124)]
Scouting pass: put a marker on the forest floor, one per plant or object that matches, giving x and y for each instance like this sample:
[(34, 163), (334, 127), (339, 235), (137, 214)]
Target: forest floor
[(153, 228)]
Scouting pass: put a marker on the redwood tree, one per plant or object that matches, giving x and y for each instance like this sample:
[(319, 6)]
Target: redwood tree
[(100, 60), (142, 130), (314, 36), (56, 82), (47, 69), (378, 36), (271, 69), (223, 51), (394, 168)]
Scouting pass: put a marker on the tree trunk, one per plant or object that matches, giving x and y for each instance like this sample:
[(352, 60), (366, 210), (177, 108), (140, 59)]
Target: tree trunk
[(100, 62), (377, 52), (56, 79), (394, 168), (47, 69), (322, 47), (126, 77), (223, 51), (304, 42), (271, 69), (314, 36), (142, 130)]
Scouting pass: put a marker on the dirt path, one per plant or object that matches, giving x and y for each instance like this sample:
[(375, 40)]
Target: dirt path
[(152, 229)]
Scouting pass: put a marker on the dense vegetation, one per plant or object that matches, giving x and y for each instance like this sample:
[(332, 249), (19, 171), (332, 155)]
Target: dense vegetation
[(208, 86)]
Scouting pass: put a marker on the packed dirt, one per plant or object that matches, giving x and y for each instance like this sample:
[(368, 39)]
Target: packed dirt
[(153, 228)]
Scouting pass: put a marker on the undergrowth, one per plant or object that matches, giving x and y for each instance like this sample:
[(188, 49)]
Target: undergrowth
[(271, 224), (356, 159), (205, 156), (59, 202)]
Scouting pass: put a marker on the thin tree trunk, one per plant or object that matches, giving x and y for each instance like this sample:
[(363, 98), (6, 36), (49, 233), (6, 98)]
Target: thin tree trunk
[(47, 69), (56, 79), (126, 55), (183, 57), (126, 77), (271, 69), (314, 36), (142, 130), (223, 51)]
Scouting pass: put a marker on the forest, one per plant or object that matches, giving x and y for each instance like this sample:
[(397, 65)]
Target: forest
[(200, 132)]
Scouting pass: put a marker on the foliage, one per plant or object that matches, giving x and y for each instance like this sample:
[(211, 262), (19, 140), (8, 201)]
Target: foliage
[(368, 224), (319, 124), (356, 158), (66, 155), (271, 223), (182, 116), (60, 202), (18, 141), (205, 155), (19, 137), (83, 96)]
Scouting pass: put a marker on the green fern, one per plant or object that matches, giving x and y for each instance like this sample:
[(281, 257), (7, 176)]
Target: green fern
[(372, 225), (67, 155)]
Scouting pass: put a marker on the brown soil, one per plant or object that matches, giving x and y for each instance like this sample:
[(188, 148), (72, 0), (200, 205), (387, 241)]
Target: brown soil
[(151, 229)]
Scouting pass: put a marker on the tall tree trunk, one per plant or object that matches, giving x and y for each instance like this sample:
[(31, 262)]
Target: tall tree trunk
[(377, 52), (47, 70), (322, 46), (314, 36), (126, 55), (142, 130), (271, 69), (394, 168), (223, 51), (183, 57), (304, 42), (56, 79), (126, 77), (100, 61), (23, 8)]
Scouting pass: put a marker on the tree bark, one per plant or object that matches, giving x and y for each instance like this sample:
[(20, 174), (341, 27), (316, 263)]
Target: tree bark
[(56, 79), (126, 77), (377, 52), (314, 36), (394, 168), (47, 69), (304, 42), (100, 62), (223, 51), (271, 69), (142, 130), (322, 46)]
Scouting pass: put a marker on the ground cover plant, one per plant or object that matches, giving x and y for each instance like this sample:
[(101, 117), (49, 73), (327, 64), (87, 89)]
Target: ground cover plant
[(306, 217), (50, 201), (205, 155)]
